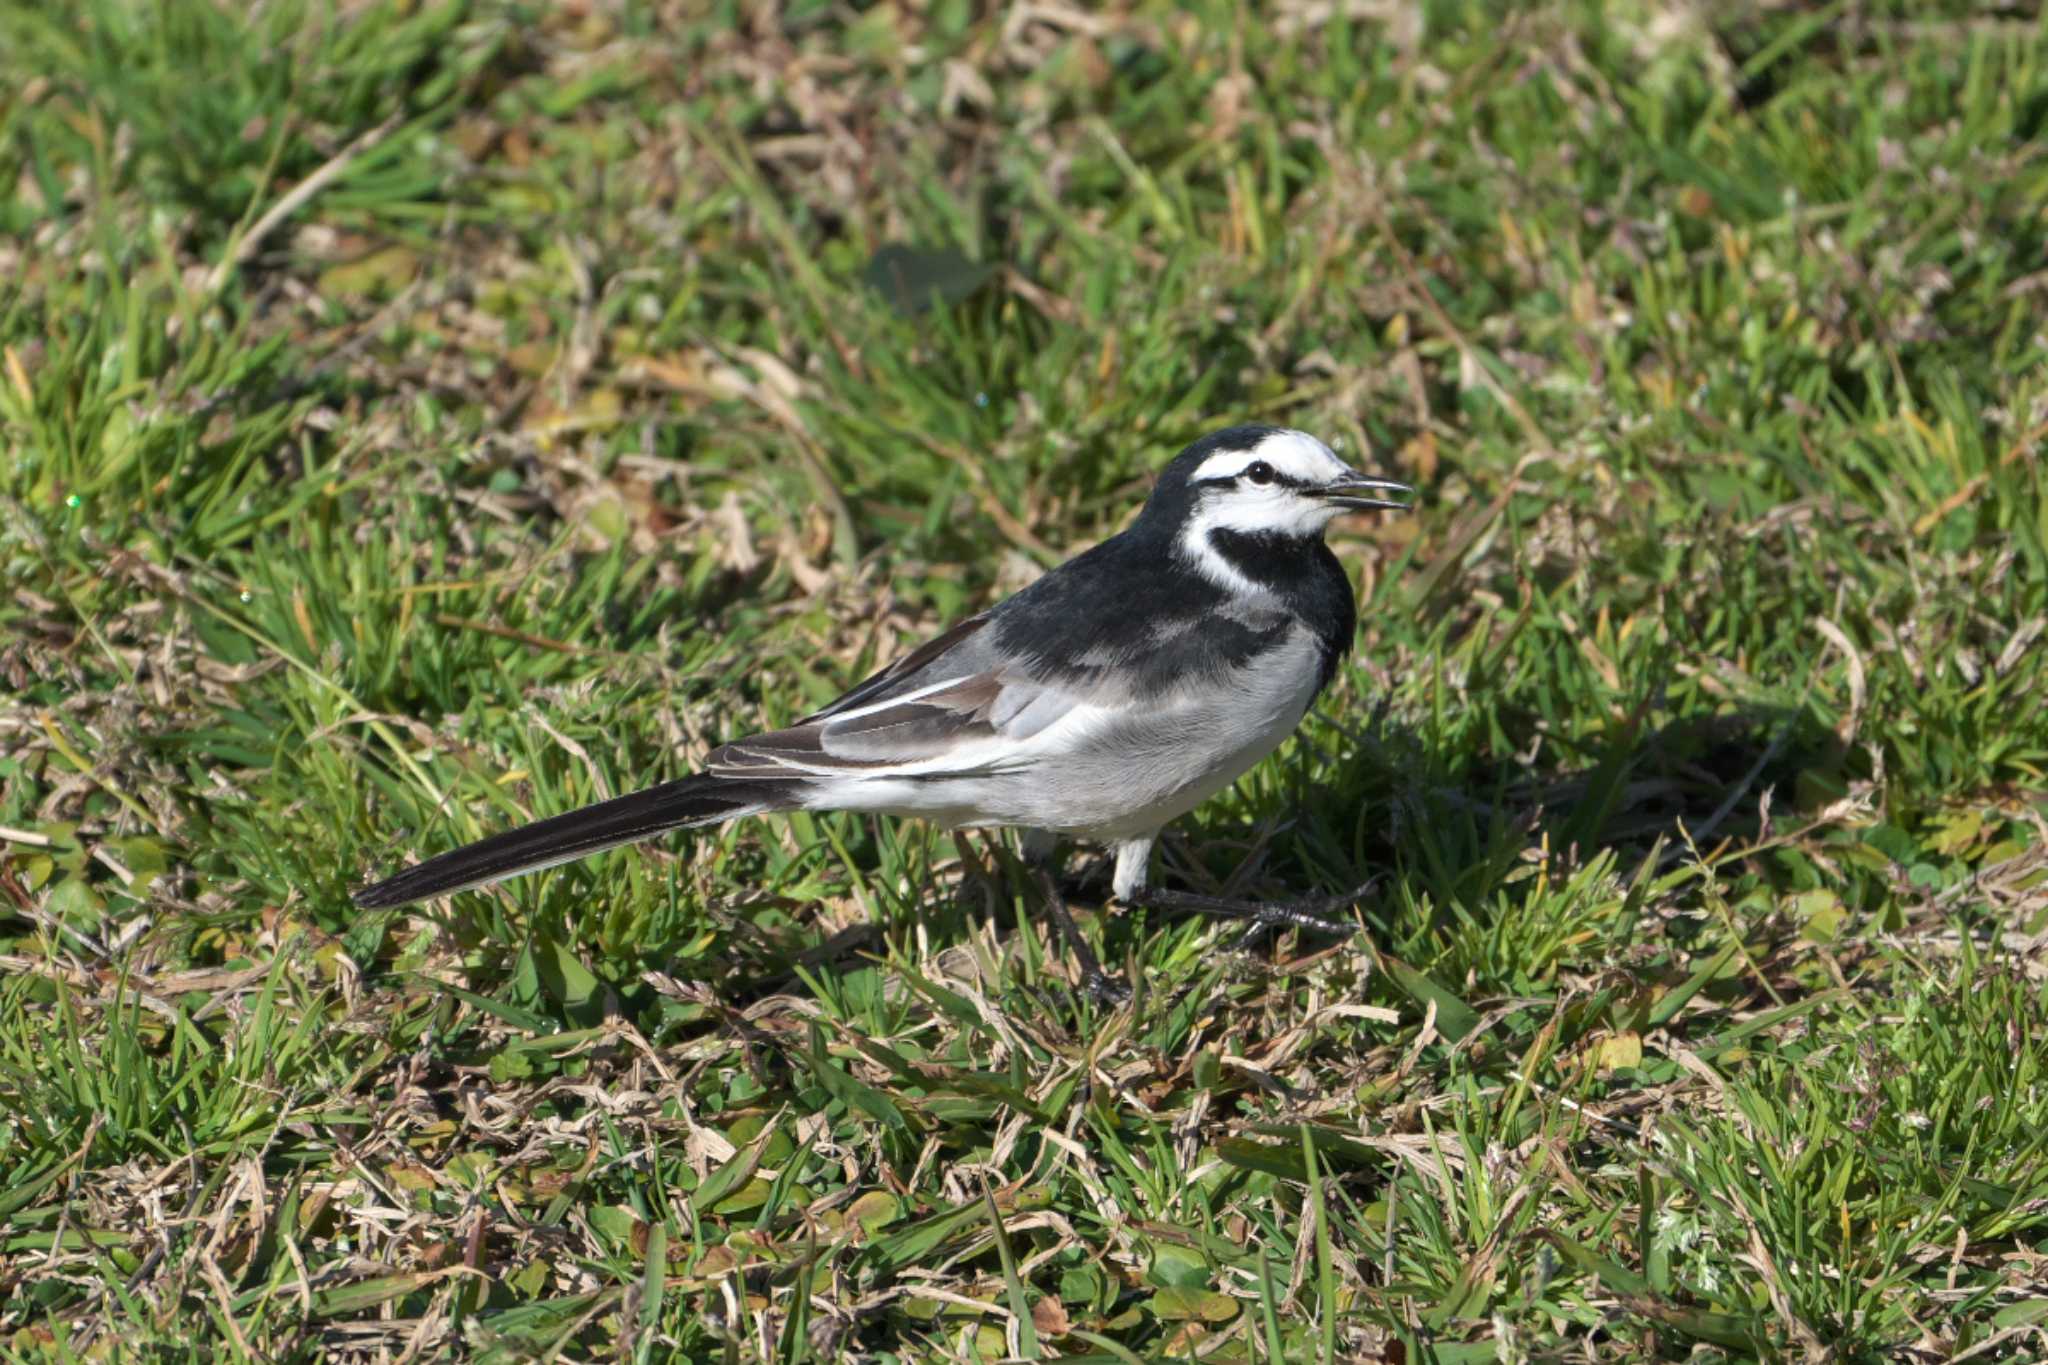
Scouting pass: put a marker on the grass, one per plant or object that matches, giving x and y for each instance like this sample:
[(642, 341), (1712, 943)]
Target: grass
[(420, 417)]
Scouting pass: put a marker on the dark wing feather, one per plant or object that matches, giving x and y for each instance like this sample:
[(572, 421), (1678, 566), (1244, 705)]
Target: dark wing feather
[(878, 687), (951, 730)]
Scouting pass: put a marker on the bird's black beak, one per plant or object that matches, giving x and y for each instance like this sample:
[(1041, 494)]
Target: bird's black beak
[(1359, 491)]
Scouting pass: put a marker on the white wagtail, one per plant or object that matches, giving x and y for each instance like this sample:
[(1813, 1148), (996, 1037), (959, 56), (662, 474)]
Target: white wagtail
[(1117, 692)]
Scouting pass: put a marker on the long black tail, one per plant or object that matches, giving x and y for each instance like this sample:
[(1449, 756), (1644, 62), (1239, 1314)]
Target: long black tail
[(699, 800)]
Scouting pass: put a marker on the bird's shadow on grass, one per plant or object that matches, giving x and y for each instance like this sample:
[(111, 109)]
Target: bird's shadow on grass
[(1445, 838)]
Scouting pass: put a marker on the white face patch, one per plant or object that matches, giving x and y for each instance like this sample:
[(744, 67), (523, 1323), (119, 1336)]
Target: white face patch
[(1276, 507)]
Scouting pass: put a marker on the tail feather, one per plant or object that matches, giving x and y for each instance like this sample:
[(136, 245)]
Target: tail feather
[(699, 800)]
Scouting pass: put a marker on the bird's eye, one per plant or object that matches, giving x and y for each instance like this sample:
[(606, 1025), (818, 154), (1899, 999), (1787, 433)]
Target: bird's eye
[(1260, 472)]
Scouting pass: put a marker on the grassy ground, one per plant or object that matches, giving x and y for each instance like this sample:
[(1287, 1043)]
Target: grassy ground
[(418, 417)]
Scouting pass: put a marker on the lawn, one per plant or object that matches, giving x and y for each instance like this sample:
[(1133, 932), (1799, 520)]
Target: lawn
[(419, 416)]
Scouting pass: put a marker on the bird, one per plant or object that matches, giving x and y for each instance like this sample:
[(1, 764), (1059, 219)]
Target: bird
[(1114, 694)]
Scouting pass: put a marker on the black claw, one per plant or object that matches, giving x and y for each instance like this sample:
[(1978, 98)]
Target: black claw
[(1249, 939), (1107, 990)]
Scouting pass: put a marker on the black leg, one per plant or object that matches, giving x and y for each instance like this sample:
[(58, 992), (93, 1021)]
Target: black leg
[(1106, 989), (1263, 916)]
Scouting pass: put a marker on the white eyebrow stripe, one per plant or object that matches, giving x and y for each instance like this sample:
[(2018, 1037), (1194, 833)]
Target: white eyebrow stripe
[(1293, 453), (1226, 464)]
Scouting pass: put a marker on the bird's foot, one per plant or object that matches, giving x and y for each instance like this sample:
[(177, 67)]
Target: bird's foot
[(1108, 991), (1263, 917)]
